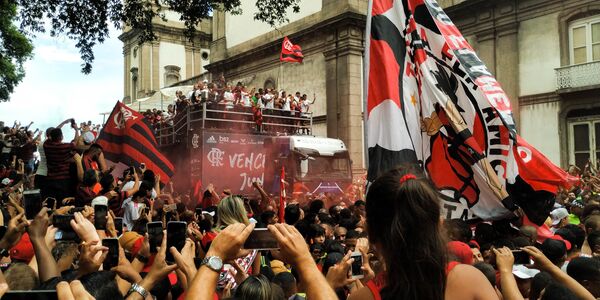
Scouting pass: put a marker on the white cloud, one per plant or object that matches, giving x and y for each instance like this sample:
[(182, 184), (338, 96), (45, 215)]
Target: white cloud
[(53, 53), (54, 88)]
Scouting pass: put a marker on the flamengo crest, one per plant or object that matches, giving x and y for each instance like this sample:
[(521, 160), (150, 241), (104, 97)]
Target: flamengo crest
[(122, 117)]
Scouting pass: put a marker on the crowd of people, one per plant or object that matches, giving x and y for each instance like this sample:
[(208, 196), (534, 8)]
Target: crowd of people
[(259, 105), (388, 244)]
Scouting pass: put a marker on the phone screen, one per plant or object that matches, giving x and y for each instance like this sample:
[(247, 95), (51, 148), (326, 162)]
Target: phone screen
[(119, 225), (357, 265), (155, 235), (176, 234), (32, 200), (100, 212), (261, 239), (112, 259), (521, 257), (63, 222)]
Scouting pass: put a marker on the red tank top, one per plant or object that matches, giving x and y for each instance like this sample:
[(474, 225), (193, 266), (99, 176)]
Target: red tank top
[(376, 284)]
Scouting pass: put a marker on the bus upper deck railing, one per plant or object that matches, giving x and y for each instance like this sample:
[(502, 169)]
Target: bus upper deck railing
[(242, 119)]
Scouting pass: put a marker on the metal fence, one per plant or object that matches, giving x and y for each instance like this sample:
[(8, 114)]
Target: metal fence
[(241, 119)]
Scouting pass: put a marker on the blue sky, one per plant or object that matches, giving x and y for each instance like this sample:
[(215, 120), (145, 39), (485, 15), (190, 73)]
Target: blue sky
[(54, 88)]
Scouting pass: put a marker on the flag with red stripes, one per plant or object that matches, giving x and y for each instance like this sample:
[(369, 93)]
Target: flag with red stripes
[(126, 138), (290, 52), (432, 102), (282, 196)]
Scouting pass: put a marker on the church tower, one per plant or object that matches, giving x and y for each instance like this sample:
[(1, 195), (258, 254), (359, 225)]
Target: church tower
[(169, 59)]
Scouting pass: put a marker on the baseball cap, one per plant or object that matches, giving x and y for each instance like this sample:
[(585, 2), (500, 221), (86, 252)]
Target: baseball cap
[(524, 272), (6, 181), (558, 237), (462, 251), (88, 137), (554, 249), (132, 242), (558, 214), (100, 200), (23, 250)]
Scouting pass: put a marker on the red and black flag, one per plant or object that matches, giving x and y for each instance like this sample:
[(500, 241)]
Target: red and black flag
[(127, 139), (431, 101), (290, 52)]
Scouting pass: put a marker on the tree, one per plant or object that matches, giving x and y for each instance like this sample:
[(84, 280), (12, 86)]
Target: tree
[(87, 22), (15, 49)]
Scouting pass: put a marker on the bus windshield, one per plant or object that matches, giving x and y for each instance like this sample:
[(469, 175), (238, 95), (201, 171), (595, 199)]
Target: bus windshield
[(320, 166)]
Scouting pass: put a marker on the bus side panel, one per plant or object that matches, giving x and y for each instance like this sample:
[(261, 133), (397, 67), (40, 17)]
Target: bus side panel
[(231, 161)]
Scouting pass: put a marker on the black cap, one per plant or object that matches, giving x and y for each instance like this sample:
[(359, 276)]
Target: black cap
[(554, 249)]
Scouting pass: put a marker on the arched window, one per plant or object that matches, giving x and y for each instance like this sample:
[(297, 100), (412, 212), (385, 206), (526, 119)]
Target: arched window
[(270, 84)]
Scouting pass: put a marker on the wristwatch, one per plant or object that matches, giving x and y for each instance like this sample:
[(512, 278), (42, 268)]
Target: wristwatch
[(214, 263), (138, 289)]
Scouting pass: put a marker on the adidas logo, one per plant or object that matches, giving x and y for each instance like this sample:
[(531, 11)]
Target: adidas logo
[(211, 140)]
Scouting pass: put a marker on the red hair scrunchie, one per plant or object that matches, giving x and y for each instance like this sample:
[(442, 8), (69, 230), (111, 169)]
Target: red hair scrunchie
[(407, 177)]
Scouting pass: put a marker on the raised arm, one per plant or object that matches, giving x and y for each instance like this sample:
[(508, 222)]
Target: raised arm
[(542, 263), (226, 246), (136, 185), (79, 166), (294, 250), (47, 267), (505, 261)]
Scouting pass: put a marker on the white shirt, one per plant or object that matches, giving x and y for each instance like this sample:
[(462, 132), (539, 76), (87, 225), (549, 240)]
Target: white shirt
[(228, 98), (246, 99), (42, 169), (286, 104), (269, 103), (131, 212)]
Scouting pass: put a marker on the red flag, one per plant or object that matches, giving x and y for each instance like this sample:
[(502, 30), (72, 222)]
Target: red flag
[(433, 103), (282, 196), (126, 138), (290, 52)]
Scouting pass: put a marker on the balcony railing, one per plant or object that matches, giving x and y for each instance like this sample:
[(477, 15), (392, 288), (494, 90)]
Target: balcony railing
[(578, 76), (240, 119)]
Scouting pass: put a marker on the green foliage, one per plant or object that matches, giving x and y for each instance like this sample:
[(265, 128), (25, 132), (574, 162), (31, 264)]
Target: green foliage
[(274, 13), (15, 49), (87, 23)]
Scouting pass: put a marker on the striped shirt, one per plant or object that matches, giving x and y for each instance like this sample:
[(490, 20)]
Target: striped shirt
[(58, 159)]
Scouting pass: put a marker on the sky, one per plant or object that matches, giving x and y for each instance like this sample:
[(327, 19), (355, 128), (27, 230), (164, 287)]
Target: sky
[(54, 89)]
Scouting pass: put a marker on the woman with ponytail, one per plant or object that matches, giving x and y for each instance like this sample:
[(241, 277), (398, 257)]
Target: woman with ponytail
[(403, 222)]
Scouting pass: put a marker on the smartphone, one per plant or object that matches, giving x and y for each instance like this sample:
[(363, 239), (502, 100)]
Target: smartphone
[(100, 212), (61, 235), (261, 239), (521, 257), (176, 234), (357, 272), (199, 212), (63, 222), (32, 201), (142, 165), (31, 295), (155, 235), (112, 259), (119, 225)]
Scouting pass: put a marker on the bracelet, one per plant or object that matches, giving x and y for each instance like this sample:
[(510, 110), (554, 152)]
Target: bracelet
[(138, 289)]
